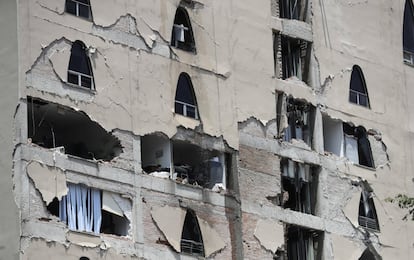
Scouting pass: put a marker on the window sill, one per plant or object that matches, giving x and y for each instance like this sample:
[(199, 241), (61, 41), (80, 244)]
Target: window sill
[(83, 89)]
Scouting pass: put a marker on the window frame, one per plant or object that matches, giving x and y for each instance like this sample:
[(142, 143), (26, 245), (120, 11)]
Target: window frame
[(77, 12), (358, 94), (184, 105), (188, 44), (80, 75)]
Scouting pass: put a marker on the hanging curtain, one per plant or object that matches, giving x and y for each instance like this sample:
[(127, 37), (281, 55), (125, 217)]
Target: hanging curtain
[(81, 208)]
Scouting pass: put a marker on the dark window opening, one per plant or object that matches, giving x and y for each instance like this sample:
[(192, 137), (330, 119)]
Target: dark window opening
[(199, 166), (52, 125), (184, 162), (303, 244), (299, 186), (358, 93), (293, 9), (182, 34), (191, 239), (299, 116), (295, 58), (81, 8), (185, 101), (367, 255), (408, 33), (357, 146), (82, 209), (367, 215), (83, 258), (80, 70)]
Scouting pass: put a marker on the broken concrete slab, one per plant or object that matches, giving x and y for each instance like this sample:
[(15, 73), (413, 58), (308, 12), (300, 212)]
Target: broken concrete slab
[(270, 234), (50, 181), (211, 239)]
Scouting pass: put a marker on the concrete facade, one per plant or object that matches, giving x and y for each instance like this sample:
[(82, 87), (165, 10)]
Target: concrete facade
[(299, 162)]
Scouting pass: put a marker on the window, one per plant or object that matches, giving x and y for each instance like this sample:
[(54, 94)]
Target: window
[(48, 125), (303, 244), (295, 58), (293, 9), (295, 119), (91, 210), (299, 186), (367, 215), (185, 101), (348, 141), (408, 33), (182, 34), (357, 147), (81, 8), (191, 239), (358, 93), (80, 70), (185, 162)]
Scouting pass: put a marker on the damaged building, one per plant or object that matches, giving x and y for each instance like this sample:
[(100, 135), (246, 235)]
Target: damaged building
[(194, 129)]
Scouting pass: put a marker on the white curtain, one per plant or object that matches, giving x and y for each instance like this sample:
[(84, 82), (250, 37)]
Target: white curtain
[(351, 148), (81, 208)]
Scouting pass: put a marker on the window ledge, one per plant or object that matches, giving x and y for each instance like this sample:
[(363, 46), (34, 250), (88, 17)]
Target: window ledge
[(84, 89)]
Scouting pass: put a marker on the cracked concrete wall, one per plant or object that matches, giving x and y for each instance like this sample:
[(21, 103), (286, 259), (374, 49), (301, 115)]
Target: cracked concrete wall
[(232, 72), (127, 77), (218, 218)]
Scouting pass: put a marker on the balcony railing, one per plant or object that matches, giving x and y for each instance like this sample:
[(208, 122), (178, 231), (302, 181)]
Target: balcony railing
[(192, 247), (368, 223)]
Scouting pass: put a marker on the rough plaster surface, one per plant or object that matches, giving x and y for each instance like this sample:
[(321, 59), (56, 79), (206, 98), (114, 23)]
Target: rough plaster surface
[(211, 239), (170, 220), (270, 234), (345, 249), (50, 181)]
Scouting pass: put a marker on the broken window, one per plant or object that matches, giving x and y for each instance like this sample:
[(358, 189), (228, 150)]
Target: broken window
[(191, 239), (80, 70), (156, 155), (52, 125), (357, 146), (348, 141), (295, 119), (293, 9), (358, 92), (408, 33), (91, 210), (198, 166), (299, 186), (184, 162), (182, 34), (185, 101), (367, 215), (295, 58), (81, 8), (303, 244)]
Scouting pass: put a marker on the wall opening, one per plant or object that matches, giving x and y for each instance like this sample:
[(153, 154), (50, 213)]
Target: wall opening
[(295, 119), (87, 209), (185, 99), (299, 186), (303, 244), (348, 141), (81, 8), (199, 166), (295, 58), (408, 33), (184, 162), (293, 9), (52, 125), (182, 36), (358, 93), (367, 214), (191, 239), (80, 69)]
